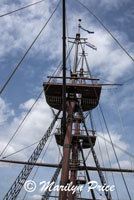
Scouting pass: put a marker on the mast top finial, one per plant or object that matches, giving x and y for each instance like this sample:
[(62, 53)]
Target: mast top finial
[(79, 25)]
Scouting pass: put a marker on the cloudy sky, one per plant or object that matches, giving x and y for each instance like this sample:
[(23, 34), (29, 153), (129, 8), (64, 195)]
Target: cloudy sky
[(109, 63)]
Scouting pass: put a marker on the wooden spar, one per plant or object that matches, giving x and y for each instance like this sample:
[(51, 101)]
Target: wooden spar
[(66, 149), (73, 174), (64, 66), (81, 168), (68, 137), (84, 78)]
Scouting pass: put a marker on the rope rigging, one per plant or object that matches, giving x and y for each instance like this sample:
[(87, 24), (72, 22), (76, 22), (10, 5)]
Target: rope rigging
[(47, 194), (25, 172), (110, 164), (57, 71), (114, 151), (113, 148), (109, 137), (27, 148), (102, 179), (115, 145), (56, 172), (88, 177), (106, 29), (17, 66), (120, 45), (69, 60), (27, 6), (21, 177), (121, 121), (92, 127), (14, 134), (35, 173), (18, 151), (125, 82)]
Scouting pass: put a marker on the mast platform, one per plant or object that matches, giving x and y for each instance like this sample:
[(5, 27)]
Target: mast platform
[(89, 94), (77, 138)]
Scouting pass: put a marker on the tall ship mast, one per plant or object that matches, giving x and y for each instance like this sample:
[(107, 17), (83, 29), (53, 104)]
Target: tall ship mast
[(82, 95), (72, 97)]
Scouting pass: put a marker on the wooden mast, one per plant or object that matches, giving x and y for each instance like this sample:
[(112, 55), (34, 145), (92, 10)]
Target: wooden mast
[(64, 66)]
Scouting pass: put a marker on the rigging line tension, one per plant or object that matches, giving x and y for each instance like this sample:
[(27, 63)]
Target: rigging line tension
[(22, 149), (47, 194), (90, 114), (25, 172), (109, 161), (29, 111), (41, 162), (69, 60), (59, 66), (21, 123), (111, 141), (115, 145), (102, 178), (27, 6), (106, 29), (114, 151), (120, 119), (88, 177), (15, 69), (86, 168), (33, 163), (92, 125)]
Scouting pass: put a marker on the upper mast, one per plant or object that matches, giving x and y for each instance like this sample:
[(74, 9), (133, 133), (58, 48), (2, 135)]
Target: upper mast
[(64, 66)]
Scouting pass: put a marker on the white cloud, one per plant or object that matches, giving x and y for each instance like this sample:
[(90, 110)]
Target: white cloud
[(109, 61), (36, 197), (31, 131), (113, 4), (20, 29), (107, 5), (27, 105), (5, 111), (127, 104), (123, 164), (112, 62)]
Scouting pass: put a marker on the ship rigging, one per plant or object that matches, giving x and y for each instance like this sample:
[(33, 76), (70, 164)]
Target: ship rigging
[(72, 98)]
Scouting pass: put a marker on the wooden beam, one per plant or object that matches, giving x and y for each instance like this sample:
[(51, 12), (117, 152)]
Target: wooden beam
[(81, 168)]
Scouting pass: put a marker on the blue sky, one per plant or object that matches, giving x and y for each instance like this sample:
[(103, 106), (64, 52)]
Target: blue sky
[(109, 62)]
